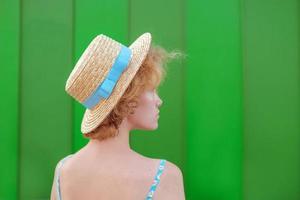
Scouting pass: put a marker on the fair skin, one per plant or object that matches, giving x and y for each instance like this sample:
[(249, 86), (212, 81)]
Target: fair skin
[(110, 169)]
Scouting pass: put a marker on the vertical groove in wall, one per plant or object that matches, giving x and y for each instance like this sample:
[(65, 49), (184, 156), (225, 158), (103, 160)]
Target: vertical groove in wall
[(184, 82), (128, 20), (18, 195), (243, 50), (72, 112)]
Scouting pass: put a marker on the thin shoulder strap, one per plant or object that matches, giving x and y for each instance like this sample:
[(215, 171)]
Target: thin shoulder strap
[(156, 181), (60, 164)]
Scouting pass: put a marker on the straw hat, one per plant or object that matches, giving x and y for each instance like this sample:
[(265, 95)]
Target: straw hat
[(102, 74)]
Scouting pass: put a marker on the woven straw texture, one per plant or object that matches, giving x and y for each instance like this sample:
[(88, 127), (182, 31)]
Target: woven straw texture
[(92, 68)]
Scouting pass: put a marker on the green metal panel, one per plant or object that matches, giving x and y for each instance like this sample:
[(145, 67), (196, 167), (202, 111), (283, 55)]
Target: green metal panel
[(202, 99), (167, 30), (46, 123), (272, 96), (214, 100), (94, 17), (9, 70)]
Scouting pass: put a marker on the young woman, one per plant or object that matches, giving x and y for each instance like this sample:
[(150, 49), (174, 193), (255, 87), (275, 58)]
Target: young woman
[(117, 85)]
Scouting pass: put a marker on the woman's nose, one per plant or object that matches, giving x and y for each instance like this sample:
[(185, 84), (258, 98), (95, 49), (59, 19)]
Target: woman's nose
[(159, 101)]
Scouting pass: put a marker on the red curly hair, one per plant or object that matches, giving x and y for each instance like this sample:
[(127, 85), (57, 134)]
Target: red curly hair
[(149, 76)]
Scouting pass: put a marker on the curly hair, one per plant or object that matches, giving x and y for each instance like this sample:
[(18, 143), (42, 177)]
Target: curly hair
[(149, 76)]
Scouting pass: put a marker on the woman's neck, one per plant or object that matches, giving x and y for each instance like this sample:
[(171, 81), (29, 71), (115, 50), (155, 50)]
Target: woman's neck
[(117, 145)]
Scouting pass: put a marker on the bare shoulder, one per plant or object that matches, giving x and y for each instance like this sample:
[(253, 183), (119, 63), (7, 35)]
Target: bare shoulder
[(172, 185), (173, 170), (58, 170), (173, 175)]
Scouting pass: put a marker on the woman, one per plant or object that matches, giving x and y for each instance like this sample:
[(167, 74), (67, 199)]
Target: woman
[(117, 85)]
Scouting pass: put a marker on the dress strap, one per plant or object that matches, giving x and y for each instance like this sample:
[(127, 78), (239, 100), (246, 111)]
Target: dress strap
[(156, 179), (60, 164)]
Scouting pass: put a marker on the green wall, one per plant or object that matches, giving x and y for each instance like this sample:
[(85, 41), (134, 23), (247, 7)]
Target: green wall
[(272, 99), (230, 113), (45, 109), (9, 103), (214, 100)]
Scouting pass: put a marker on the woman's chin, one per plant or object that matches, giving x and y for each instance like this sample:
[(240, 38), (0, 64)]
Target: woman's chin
[(155, 126), (151, 127)]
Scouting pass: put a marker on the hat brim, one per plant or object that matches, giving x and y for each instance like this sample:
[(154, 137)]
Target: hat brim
[(93, 117)]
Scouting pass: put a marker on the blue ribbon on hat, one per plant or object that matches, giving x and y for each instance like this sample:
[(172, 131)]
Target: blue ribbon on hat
[(105, 89)]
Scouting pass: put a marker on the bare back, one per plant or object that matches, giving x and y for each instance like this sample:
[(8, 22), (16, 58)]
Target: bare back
[(123, 177)]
